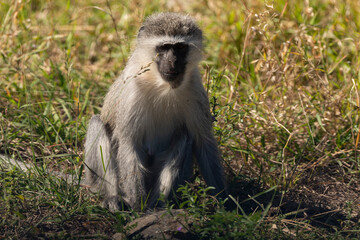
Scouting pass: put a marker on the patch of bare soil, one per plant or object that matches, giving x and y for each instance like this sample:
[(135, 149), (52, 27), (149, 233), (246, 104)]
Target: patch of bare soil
[(327, 197)]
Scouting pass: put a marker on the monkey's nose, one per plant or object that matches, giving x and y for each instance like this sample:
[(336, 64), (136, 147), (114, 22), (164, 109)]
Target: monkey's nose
[(172, 63)]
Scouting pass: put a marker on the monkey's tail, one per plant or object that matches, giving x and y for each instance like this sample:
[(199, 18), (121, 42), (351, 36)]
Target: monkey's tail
[(7, 163)]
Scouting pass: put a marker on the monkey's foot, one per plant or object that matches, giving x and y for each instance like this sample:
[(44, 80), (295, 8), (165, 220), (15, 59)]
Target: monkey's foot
[(113, 203)]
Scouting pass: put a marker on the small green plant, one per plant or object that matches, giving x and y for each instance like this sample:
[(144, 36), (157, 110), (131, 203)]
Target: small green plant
[(231, 225), (211, 220), (197, 201)]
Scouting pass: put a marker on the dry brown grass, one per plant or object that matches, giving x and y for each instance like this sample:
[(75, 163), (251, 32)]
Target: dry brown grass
[(283, 79)]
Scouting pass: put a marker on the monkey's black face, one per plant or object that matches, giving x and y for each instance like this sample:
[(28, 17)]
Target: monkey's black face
[(171, 62)]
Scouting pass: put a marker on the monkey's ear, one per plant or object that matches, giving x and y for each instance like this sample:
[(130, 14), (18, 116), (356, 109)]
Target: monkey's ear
[(141, 31)]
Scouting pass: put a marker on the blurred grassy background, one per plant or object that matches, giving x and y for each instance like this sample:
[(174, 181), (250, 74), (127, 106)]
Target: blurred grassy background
[(282, 77)]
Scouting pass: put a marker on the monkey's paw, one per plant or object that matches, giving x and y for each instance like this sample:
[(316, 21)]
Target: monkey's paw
[(114, 204)]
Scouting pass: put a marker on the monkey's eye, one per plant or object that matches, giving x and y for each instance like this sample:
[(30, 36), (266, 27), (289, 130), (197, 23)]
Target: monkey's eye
[(180, 46), (163, 47)]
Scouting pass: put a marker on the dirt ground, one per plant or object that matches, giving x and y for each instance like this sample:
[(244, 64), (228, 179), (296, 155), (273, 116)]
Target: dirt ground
[(328, 198), (323, 198)]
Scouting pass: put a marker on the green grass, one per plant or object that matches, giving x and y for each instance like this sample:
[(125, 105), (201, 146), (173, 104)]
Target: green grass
[(283, 80)]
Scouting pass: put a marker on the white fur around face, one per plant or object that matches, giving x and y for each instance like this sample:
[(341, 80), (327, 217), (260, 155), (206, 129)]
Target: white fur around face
[(143, 59)]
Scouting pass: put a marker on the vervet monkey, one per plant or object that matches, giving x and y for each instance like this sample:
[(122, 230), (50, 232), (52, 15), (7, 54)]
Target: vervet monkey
[(154, 120)]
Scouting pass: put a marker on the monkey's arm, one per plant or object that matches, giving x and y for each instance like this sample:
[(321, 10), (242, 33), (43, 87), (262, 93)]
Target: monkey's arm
[(208, 157), (205, 147)]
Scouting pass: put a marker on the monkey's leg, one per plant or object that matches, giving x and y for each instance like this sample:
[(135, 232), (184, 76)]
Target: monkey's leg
[(132, 174), (176, 168), (208, 159), (100, 172)]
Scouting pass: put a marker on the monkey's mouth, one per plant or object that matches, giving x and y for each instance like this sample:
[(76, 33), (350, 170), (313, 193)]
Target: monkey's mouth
[(171, 74), (174, 78)]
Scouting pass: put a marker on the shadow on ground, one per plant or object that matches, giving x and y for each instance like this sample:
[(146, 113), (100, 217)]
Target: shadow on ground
[(322, 197)]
